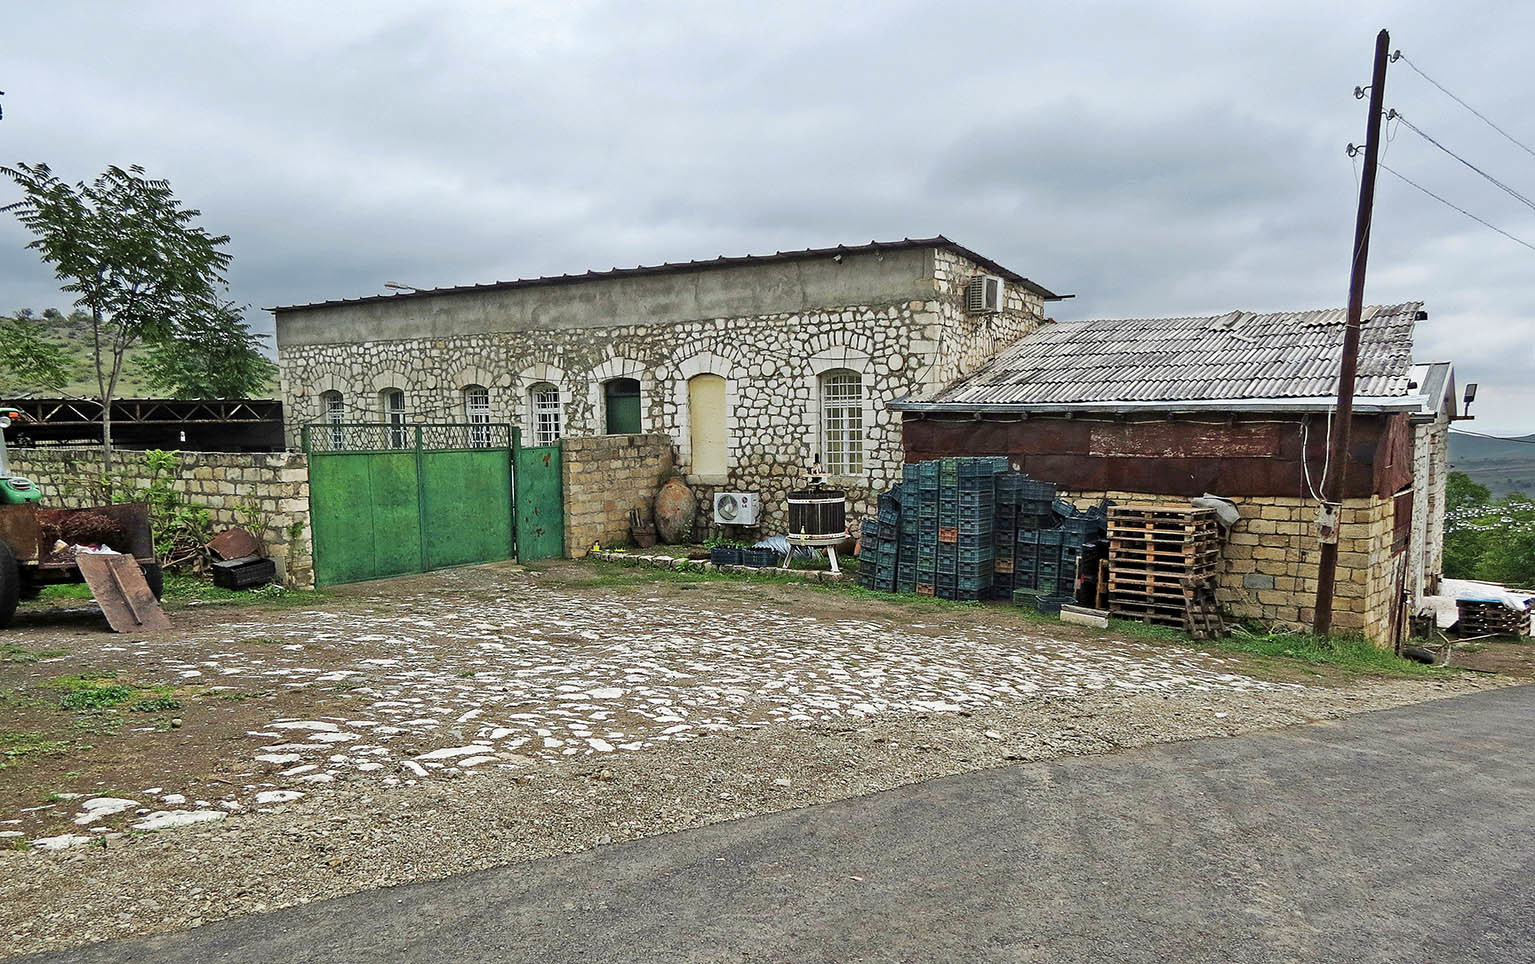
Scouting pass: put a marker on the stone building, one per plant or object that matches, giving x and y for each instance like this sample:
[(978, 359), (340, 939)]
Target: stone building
[(755, 367), (1234, 405)]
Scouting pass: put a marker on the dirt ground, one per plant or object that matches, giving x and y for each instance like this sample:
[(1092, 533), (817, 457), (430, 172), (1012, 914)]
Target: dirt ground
[(256, 757)]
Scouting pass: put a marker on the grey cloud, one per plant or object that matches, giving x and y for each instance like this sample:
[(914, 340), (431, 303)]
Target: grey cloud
[(1153, 160)]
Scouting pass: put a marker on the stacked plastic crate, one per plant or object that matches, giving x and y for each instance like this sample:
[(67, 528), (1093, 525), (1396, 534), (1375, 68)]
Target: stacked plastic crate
[(928, 489), (971, 529)]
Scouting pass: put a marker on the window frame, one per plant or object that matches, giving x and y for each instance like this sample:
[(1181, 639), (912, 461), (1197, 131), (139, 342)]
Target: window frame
[(607, 412), (476, 400), (546, 404), (394, 417), (845, 414), (333, 413)]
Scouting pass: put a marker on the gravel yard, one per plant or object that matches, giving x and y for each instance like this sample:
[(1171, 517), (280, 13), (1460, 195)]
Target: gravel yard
[(424, 726)]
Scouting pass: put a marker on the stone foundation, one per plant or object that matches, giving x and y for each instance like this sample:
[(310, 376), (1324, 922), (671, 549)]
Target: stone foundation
[(274, 486)]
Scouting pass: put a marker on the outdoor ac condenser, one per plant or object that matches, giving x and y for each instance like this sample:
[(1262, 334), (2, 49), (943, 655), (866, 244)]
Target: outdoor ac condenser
[(736, 508)]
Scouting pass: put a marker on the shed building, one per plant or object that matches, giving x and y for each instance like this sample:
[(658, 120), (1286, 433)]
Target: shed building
[(1236, 405)]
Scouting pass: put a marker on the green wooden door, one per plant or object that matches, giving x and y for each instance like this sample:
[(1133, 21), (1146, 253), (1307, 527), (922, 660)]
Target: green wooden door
[(540, 503)]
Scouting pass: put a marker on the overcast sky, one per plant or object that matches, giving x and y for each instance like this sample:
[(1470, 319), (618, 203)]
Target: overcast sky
[(1152, 159)]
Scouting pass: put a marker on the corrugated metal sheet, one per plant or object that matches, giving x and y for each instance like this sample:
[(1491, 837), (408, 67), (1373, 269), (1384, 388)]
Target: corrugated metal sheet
[(1292, 354)]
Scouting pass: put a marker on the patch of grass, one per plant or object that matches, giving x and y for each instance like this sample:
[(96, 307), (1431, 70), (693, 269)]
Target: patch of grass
[(156, 704), (16, 745), (180, 587), (15, 654), (68, 590), (262, 641), (91, 691), (1351, 655), (101, 722)]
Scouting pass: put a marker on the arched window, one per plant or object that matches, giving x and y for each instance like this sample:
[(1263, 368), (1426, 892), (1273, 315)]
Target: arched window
[(842, 422), (392, 402), (477, 414), (707, 438), (621, 406), (333, 410), (544, 409)]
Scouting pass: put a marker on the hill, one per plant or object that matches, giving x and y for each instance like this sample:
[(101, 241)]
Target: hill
[(73, 333), (1504, 465)]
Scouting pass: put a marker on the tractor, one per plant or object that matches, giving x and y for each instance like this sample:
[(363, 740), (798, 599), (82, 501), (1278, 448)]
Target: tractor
[(41, 546)]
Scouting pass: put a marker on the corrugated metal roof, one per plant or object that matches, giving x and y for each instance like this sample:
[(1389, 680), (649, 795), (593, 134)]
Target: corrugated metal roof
[(722, 261), (1284, 355)]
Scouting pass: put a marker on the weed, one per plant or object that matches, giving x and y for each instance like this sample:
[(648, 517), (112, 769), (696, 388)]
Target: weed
[(105, 722), (14, 746), (91, 691), (1353, 655), (68, 590), (15, 654), (262, 641), (156, 704)]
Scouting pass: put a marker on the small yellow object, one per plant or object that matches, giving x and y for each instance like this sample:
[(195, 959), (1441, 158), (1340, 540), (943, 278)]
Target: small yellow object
[(596, 547)]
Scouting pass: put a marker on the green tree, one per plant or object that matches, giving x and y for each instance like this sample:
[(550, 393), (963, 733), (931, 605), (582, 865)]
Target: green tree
[(128, 252), (214, 355), (1461, 490), (28, 360)]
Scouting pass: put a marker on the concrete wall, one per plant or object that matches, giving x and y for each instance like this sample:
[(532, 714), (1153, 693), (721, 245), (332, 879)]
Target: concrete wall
[(275, 484), (605, 476), (897, 318), (579, 303)]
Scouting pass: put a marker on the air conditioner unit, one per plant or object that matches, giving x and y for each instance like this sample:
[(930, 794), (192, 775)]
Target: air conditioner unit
[(983, 294), (736, 508)]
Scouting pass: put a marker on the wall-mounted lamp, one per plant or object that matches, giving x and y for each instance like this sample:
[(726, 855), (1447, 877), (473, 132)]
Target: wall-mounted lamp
[(1470, 397)]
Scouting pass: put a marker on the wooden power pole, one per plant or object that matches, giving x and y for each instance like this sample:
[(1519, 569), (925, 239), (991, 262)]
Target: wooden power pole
[(1334, 485)]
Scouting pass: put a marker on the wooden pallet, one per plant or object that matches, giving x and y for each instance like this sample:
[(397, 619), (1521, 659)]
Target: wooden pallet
[(1163, 560), (1490, 619)]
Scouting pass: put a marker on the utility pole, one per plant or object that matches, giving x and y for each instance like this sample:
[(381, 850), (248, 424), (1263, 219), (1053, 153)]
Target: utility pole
[(1333, 487)]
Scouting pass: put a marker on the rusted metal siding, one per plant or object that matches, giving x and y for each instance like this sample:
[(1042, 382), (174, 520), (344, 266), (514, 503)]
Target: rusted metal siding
[(1177, 457)]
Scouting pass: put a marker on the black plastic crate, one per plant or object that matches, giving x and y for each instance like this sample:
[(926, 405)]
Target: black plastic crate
[(244, 573)]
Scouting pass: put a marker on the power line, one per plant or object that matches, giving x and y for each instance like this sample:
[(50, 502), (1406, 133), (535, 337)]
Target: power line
[(1495, 438), (1456, 207), (1397, 115), (1527, 149)]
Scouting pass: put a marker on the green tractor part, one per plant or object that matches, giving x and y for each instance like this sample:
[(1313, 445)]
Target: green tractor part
[(14, 489)]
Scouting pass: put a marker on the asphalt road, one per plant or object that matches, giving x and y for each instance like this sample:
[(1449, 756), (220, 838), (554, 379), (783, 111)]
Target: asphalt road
[(1404, 835)]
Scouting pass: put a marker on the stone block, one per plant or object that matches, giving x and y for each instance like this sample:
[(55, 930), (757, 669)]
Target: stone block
[(1258, 580)]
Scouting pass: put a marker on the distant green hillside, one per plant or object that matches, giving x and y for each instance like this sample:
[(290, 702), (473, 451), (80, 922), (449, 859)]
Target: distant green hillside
[(1504, 465), (73, 333)]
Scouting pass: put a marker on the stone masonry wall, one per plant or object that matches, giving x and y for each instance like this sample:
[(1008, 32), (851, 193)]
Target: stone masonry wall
[(605, 476), (1269, 562), (275, 484), (1430, 476), (771, 365)]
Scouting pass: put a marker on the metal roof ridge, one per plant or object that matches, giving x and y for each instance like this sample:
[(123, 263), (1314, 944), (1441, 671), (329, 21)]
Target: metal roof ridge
[(936, 241)]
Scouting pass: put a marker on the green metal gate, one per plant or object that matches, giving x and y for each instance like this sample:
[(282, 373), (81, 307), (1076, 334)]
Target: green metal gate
[(386, 500)]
